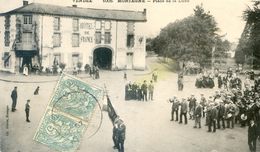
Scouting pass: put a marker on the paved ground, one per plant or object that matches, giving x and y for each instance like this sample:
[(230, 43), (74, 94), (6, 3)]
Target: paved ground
[(149, 128)]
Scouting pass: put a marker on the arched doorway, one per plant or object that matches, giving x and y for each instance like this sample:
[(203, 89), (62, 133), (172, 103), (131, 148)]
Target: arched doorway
[(102, 57)]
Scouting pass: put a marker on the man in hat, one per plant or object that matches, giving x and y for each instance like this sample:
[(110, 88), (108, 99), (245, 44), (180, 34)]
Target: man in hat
[(212, 118), (197, 115), (175, 108), (27, 110), (150, 90), (192, 104), (221, 114), (252, 136), (119, 130), (230, 113), (114, 135), (208, 108), (144, 88), (184, 109), (14, 98), (180, 81), (203, 103)]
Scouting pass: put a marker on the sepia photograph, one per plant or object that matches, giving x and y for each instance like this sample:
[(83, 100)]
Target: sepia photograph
[(130, 76)]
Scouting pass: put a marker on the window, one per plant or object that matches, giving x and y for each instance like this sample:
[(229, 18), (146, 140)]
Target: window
[(7, 38), (27, 38), (75, 40), (75, 59), (56, 40), (75, 24), (27, 19), (98, 37), (7, 21), (130, 35), (130, 40), (107, 25), (98, 25), (56, 23), (107, 38), (7, 32)]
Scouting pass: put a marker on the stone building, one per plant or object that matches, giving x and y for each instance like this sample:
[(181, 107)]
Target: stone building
[(44, 35)]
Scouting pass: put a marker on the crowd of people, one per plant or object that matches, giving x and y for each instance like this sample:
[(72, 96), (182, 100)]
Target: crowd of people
[(139, 91), (94, 72), (235, 102), (205, 81)]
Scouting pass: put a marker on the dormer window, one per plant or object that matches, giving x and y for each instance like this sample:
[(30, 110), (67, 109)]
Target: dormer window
[(27, 19)]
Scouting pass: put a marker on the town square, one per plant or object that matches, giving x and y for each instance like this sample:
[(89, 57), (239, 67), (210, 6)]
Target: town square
[(86, 76)]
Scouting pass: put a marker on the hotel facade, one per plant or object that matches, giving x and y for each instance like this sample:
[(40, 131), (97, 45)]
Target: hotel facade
[(44, 35)]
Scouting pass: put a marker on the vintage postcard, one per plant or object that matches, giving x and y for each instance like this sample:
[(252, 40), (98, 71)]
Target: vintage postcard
[(129, 75)]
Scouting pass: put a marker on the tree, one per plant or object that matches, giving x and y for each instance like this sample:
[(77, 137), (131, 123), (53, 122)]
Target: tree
[(191, 38), (249, 43)]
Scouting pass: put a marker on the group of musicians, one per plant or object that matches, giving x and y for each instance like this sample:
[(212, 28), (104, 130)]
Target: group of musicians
[(226, 107), (139, 91)]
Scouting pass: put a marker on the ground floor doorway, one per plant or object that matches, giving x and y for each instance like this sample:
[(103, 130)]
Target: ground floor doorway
[(26, 59), (129, 60), (102, 57)]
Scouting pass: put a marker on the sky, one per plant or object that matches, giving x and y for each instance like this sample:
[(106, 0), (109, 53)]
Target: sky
[(228, 13)]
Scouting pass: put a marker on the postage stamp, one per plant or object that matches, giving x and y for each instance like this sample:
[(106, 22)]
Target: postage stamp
[(68, 114), (60, 132), (75, 97)]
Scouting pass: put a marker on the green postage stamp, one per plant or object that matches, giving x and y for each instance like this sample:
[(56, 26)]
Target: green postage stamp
[(68, 114)]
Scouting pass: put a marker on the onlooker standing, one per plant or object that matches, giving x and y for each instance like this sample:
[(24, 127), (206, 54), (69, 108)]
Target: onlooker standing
[(203, 103), (180, 81), (175, 108), (184, 109), (121, 136), (230, 114), (212, 118), (150, 90), (154, 76), (252, 136), (27, 110), (14, 98), (197, 115), (221, 114), (144, 90), (192, 104)]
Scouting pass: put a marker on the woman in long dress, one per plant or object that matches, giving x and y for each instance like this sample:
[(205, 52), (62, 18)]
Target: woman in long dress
[(25, 70)]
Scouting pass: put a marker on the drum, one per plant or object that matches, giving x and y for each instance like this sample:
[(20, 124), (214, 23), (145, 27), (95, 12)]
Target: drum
[(243, 117), (229, 115)]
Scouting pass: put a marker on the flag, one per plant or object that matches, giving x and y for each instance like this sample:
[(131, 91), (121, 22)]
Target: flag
[(68, 114), (111, 111)]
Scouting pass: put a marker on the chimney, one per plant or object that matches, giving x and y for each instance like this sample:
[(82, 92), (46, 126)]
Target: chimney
[(25, 3), (144, 12), (74, 5)]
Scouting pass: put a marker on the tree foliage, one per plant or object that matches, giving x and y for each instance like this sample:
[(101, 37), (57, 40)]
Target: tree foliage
[(191, 39), (248, 50)]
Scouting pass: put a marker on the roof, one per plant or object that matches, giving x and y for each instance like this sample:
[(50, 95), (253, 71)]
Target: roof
[(47, 9)]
